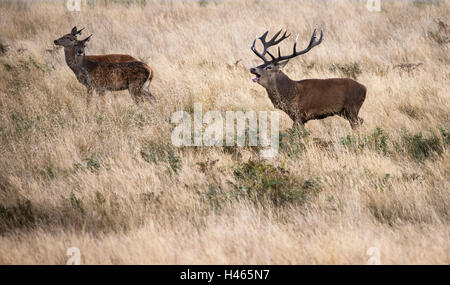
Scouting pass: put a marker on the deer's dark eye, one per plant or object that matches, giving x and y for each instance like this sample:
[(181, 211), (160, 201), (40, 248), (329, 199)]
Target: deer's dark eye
[(268, 67)]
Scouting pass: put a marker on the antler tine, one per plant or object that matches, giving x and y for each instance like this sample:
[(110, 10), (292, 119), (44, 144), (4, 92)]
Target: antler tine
[(263, 37), (312, 43), (273, 58), (273, 41), (261, 56), (283, 37)]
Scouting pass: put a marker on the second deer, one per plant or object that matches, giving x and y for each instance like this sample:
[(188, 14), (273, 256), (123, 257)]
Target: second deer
[(69, 42), (133, 76)]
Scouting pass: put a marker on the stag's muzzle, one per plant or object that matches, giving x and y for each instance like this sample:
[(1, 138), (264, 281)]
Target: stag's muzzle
[(253, 71)]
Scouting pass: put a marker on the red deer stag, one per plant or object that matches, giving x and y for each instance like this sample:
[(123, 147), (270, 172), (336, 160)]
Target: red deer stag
[(307, 99), (69, 42), (113, 76)]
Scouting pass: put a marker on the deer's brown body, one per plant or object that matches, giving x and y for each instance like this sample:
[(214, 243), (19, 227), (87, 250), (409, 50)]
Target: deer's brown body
[(110, 72), (307, 99), (117, 58), (313, 99), (107, 58), (112, 76), (134, 76), (69, 53)]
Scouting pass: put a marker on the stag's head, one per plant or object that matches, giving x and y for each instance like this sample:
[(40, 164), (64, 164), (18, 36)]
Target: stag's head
[(267, 73), (80, 46), (69, 39)]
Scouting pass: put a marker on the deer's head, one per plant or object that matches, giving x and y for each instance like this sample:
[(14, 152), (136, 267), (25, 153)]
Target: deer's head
[(80, 47), (69, 39), (268, 72)]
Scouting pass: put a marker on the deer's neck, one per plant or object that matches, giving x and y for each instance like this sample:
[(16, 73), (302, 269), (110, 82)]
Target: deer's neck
[(282, 92), (80, 63), (69, 53)]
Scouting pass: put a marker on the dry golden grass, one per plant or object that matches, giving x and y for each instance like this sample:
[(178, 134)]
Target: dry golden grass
[(107, 180)]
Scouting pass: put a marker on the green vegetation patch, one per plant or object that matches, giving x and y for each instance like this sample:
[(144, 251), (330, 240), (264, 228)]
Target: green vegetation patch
[(156, 153), (420, 147), (260, 181), (377, 141)]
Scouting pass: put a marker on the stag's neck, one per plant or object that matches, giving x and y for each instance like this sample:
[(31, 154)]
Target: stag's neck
[(282, 92)]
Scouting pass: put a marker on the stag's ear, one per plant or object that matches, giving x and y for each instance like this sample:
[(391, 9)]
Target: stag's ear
[(74, 31), (281, 64)]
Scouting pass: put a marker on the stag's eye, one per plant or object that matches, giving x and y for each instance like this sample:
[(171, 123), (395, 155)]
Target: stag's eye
[(268, 68)]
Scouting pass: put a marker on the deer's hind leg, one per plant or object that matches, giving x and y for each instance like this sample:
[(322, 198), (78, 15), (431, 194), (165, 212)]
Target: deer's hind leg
[(90, 93), (146, 91), (100, 96), (351, 115), (353, 109), (136, 91)]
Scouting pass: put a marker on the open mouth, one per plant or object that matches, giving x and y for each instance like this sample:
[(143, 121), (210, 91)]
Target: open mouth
[(258, 76)]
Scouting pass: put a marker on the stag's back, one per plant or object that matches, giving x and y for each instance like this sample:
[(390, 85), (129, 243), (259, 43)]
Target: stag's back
[(319, 97)]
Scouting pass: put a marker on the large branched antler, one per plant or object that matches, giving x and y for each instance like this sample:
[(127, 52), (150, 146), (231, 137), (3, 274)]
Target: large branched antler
[(274, 41)]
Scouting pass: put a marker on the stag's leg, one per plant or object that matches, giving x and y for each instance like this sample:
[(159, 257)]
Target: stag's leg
[(361, 96), (299, 120), (350, 113), (352, 117), (353, 124)]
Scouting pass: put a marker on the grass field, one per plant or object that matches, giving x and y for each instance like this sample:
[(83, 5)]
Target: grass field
[(106, 178)]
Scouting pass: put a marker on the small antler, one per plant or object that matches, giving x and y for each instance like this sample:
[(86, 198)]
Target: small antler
[(275, 41)]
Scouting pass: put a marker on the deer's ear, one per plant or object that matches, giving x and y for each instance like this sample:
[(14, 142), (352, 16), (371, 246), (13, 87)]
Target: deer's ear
[(87, 39), (280, 65), (79, 32), (74, 31)]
